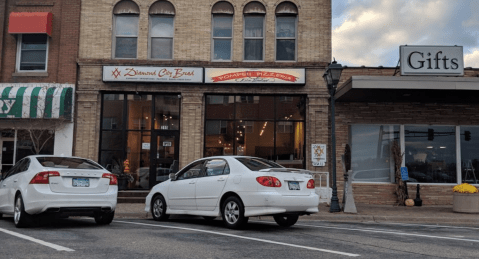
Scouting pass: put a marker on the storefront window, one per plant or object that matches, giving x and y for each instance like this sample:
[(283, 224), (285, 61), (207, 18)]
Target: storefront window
[(139, 112), (470, 154), (246, 125), (430, 153), (112, 111), (167, 112), (371, 159)]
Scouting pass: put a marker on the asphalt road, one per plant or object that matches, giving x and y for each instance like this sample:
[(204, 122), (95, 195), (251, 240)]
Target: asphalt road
[(193, 237)]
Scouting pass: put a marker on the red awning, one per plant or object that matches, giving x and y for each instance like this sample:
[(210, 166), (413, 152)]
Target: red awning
[(37, 22)]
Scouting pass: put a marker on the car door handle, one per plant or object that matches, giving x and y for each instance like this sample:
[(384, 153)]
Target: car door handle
[(4, 185), (16, 180), (192, 182), (221, 179)]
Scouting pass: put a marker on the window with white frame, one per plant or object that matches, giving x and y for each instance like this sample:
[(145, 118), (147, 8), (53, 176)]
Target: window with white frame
[(32, 52), (161, 30), (125, 42), (286, 18), (222, 32), (254, 14)]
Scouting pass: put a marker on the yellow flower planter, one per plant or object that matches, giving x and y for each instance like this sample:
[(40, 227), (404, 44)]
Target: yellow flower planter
[(465, 202)]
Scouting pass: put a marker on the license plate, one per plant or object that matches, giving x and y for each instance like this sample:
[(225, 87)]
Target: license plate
[(293, 185), (81, 182)]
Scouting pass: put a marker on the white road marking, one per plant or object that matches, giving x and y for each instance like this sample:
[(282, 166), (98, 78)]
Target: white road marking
[(430, 226), (392, 232), (243, 237), (41, 242)]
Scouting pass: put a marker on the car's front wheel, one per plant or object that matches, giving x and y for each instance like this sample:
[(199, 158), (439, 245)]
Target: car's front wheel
[(158, 208), (104, 218), (232, 211), (20, 217), (286, 220)]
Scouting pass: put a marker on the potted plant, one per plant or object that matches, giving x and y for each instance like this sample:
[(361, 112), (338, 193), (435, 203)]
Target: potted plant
[(123, 175), (465, 199)]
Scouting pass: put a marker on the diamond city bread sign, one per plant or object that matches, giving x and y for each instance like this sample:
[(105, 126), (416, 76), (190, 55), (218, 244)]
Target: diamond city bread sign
[(152, 74), (254, 76)]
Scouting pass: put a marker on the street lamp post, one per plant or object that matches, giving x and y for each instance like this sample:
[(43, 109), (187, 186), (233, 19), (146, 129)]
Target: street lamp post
[(331, 76)]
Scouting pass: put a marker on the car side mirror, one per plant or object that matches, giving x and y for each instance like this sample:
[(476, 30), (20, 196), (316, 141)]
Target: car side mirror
[(172, 176)]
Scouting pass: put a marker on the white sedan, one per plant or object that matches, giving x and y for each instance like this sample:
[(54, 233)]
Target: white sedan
[(63, 186), (235, 187)]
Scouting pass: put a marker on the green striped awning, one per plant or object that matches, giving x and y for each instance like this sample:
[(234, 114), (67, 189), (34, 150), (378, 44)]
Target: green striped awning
[(43, 101)]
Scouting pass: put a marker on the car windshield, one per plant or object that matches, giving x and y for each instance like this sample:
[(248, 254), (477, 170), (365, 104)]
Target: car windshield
[(67, 162), (256, 164)]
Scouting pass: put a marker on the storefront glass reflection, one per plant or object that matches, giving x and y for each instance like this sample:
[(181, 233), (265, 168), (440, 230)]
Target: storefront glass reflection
[(271, 127), (470, 154), (431, 153), (371, 159)]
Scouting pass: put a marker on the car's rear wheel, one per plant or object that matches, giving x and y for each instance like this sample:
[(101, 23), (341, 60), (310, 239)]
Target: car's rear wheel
[(104, 218), (232, 211), (286, 220), (158, 208), (20, 217)]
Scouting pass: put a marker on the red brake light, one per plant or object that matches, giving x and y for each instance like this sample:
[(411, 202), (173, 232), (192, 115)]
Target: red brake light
[(112, 177), (310, 184), (43, 177), (268, 181)]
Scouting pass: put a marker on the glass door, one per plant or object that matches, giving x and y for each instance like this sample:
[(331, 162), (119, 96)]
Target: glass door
[(166, 158), (7, 150)]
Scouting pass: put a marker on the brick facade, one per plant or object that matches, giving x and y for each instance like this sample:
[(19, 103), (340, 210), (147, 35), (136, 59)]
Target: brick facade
[(63, 45), (192, 47), (408, 113)]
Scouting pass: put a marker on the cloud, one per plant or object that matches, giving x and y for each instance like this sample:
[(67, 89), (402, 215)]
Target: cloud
[(472, 59), (369, 32)]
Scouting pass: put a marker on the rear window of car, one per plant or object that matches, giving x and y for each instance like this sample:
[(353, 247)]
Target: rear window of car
[(67, 162), (256, 164)]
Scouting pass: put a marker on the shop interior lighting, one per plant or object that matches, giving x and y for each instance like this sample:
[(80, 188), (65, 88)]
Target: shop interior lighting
[(430, 147), (442, 147)]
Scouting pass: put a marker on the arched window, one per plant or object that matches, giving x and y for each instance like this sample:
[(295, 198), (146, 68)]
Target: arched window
[(254, 13), (222, 32), (125, 15), (286, 19), (162, 14)]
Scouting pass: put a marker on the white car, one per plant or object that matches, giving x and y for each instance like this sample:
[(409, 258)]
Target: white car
[(65, 186), (235, 187)]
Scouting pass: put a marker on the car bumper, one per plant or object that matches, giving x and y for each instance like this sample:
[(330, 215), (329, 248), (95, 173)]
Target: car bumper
[(148, 202), (270, 203), (39, 198)]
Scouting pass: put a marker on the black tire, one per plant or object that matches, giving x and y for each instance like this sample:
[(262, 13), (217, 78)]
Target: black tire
[(286, 220), (208, 218), (1, 215), (20, 217), (232, 211), (104, 218), (158, 208)]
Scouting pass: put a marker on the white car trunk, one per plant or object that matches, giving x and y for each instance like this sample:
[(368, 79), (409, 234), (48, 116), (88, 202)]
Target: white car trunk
[(79, 181), (289, 182)]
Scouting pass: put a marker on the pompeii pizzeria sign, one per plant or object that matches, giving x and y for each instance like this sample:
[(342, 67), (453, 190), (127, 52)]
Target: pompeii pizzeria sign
[(152, 74), (431, 60), (254, 76)]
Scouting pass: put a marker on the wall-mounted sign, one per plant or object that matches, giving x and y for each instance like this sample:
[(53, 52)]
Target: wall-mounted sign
[(318, 154), (404, 174), (254, 76), (167, 143), (153, 74), (145, 145), (431, 60)]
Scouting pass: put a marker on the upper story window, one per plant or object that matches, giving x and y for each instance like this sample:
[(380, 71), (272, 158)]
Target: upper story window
[(125, 42), (222, 32), (32, 52), (162, 14), (254, 14), (286, 35)]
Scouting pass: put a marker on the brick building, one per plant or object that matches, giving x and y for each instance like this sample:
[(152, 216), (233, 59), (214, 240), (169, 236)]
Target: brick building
[(39, 47), (433, 118), (162, 83)]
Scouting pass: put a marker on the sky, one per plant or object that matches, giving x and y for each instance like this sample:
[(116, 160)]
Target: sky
[(369, 32)]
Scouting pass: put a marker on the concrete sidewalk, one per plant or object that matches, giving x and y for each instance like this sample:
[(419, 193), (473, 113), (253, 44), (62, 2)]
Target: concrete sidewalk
[(442, 215)]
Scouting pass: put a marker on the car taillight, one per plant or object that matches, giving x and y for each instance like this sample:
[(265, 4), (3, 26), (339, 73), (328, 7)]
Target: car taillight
[(310, 184), (112, 177), (43, 177), (268, 181)]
